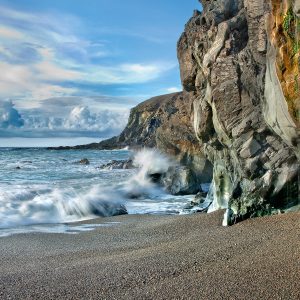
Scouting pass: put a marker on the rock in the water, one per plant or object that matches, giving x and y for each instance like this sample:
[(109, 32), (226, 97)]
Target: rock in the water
[(83, 161), (199, 198), (118, 164), (156, 177), (108, 209), (177, 180), (199, 203)]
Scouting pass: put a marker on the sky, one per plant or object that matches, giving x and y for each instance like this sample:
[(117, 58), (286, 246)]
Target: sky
[(72, 69)]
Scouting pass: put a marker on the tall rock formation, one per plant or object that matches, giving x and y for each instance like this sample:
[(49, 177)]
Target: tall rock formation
[(239, 61), (237, 119)]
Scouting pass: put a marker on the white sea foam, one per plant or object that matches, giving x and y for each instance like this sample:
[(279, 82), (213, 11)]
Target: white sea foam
[(151, 161), (148, 162), (54, 228), (56, 205), (52, 190)]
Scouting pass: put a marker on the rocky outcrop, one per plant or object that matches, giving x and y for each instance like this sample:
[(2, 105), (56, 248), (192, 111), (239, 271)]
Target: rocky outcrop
[(178, 180), (237, 119), (228, 63), (162, 122), (285, 35), (118, 164), (83, 161)]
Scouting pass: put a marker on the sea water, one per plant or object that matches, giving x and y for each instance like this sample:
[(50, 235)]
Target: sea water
[(39, 187)]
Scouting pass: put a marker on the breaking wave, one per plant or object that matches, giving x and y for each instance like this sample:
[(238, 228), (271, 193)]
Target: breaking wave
[(57, 205), (28, 201), (148, 163)]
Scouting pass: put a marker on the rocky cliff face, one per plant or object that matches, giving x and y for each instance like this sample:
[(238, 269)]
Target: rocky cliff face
[(245, 122), (164, 122), (237, 119), (284, 32)]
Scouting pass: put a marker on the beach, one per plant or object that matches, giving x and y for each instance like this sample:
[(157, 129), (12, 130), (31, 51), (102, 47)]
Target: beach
[(157, 257)]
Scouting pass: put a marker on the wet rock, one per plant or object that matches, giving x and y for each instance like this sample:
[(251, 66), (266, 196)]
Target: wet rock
[(198, 204), (83, 161), (118, 164), (242, 119), (187, 207), (108, 209), (199, 198), (156, 177), (178, 180)]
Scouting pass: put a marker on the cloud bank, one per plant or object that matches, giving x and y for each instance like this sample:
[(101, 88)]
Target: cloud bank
[(10, 117), (79, 121)]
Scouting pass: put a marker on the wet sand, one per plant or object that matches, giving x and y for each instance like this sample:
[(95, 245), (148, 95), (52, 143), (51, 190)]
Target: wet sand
[(157, 257)]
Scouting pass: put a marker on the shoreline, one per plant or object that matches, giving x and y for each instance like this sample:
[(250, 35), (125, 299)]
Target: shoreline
[(157, 257)]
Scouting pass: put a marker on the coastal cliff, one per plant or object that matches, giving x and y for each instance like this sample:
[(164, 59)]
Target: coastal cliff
[(162, 122), (237, 120), (245, 111)]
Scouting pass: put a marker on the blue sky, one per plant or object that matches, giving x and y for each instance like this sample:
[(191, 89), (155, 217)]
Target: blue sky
[(74, 68)]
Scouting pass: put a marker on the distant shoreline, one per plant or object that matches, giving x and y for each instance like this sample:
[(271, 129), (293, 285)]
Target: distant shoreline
[(37, 142)]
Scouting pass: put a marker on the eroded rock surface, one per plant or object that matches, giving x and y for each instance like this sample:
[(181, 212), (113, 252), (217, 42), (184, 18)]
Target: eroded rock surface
[(118, 164), (226, 60), (164, 122), (239, 109)]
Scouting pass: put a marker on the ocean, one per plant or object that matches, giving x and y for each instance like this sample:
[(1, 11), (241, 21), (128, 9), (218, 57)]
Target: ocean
[(46, 190)]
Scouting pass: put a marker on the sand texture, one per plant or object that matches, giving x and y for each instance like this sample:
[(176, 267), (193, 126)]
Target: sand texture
[(157, 257)]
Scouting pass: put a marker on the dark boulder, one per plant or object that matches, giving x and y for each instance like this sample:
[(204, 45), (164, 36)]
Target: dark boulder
[(118, 164), (177, 180), (83, 161)]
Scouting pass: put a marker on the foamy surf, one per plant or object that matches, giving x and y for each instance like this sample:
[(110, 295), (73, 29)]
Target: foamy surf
[(57, 205), (48, 188)]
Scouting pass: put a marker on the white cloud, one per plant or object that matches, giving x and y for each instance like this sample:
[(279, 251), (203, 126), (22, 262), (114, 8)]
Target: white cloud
[(79, 121), (49, 71), (40, 25), (44, 52), (14, 79), (173, 89), (80, 118), (4, 51), (45, 91), (20, 80), (127, 73)]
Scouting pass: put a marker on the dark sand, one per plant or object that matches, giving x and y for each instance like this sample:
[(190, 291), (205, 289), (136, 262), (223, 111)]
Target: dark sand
[(157, 257)]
